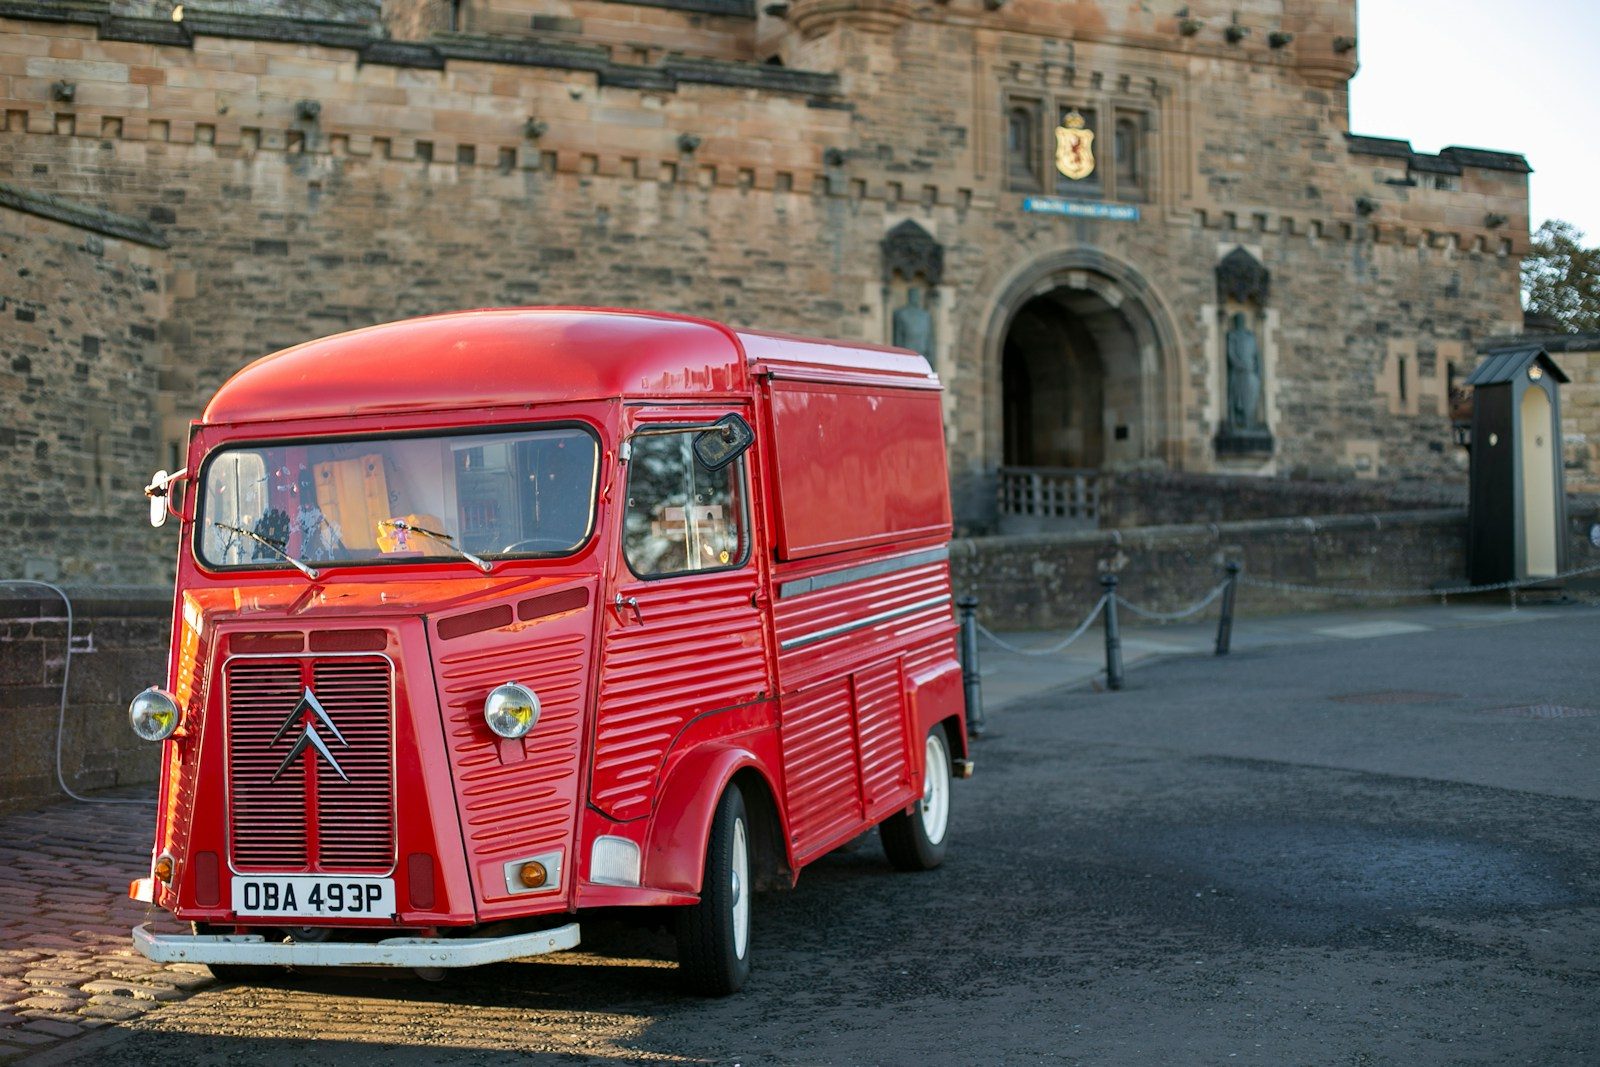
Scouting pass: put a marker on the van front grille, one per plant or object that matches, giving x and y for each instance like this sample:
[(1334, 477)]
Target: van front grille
[(310, 763)]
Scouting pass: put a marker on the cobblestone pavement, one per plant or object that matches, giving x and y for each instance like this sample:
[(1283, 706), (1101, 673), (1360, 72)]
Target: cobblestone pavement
[(66, 963)]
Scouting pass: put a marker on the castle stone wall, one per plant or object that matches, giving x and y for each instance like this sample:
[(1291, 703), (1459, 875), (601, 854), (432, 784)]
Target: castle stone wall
[(82, 316), (313, 176)]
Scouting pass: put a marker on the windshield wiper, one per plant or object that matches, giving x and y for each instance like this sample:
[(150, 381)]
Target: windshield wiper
[(399, 524), (309, 572)]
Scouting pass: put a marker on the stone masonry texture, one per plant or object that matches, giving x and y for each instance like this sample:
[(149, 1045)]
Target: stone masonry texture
[(119, 648), (314, 168)]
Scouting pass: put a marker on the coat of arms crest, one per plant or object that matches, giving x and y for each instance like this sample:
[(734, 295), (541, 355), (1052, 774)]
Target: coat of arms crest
[(1074, 147)]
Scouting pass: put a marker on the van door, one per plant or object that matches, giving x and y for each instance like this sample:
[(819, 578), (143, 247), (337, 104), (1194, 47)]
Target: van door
[(683, 635)]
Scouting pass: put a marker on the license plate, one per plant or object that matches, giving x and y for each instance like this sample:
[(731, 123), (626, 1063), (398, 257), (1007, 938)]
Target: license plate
[(309, 897)]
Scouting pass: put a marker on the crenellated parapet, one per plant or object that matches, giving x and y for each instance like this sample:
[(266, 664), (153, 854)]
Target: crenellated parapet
[(1093, 163)]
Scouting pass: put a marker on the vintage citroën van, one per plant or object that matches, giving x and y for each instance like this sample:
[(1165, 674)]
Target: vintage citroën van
[(486, 619)]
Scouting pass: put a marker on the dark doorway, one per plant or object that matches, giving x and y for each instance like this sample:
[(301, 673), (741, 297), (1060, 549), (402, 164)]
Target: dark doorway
[(1069, 383)]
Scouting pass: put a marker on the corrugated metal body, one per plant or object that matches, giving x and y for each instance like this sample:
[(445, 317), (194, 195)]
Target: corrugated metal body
[(820, 765), (695, 646), (180, 778), (881, 737), (815, 629), (872, 631), (518, 797)]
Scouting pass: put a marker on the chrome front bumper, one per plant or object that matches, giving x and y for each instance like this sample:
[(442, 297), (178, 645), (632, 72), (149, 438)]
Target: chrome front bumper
[(253, 949)]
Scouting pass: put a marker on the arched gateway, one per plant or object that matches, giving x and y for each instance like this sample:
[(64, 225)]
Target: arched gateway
[(1082, 358)]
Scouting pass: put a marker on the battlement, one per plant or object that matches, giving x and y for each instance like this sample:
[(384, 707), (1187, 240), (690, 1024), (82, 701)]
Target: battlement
[(236, 85), (356, 12)]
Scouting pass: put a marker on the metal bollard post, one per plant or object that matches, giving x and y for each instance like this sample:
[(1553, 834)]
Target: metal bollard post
[(1113, 634), (967, 608), (1225, 623)]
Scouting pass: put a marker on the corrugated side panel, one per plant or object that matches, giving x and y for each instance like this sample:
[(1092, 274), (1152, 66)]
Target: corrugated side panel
[(194, 694), (517, 798), (697, 648), (881, 735), (811, 614), (819, 765), (937, 652)]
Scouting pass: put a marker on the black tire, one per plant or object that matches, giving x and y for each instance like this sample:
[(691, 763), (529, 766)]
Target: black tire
[(915, 840), (714, 957)]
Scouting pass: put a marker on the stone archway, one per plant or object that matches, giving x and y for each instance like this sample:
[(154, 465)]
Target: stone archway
[(1082, 368)]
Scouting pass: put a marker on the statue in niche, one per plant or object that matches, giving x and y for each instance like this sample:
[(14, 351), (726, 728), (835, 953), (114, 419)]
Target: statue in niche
[(1244, 377), (913, 326)]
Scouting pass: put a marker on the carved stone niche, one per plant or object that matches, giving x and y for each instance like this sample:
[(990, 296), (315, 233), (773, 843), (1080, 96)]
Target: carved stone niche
[(1242, 278), (913, 268), (1243, 286), (910, 250)]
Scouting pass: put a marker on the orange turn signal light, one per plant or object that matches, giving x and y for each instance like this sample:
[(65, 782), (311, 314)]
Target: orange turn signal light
[(163, 868), (533, 874)]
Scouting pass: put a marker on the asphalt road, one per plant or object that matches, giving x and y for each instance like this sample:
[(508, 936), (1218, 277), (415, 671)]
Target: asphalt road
[(1376, 851)]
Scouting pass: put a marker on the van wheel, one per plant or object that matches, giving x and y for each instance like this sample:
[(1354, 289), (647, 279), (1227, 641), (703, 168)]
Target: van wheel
[(714, 935), (915, 841)]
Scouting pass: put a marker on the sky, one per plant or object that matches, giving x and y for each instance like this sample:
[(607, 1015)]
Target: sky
[(1514, 75)]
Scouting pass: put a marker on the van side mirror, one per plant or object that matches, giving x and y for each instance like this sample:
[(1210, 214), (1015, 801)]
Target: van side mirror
[(160, 492), (725, 442)]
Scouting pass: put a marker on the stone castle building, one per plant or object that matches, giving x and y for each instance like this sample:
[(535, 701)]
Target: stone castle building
[(1128, 236)]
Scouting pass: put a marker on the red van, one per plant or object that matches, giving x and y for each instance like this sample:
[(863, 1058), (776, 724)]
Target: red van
[(487, 619)]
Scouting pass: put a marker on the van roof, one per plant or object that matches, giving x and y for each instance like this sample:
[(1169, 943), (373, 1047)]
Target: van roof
[(499, 356)]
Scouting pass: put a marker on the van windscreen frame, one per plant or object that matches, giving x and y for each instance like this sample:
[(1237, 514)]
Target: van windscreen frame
[(509, 493)]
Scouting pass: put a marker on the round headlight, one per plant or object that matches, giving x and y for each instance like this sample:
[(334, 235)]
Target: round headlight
[(511, 709), (153, 714)]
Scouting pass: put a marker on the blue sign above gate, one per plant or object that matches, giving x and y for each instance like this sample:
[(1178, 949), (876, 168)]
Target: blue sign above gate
[(1081, 209)]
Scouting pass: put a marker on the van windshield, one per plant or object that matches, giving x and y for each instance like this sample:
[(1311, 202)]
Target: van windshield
[(399, 499)]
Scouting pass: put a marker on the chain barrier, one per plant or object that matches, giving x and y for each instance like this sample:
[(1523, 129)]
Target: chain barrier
[(1175, 616), (1458, 590), (1051, 650), (971, 628)]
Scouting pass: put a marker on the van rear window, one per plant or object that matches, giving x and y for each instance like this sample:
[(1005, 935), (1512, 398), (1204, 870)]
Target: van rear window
[(399, 499)]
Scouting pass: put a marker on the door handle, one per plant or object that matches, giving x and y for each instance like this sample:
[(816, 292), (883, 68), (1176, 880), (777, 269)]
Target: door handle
[(624, 604)]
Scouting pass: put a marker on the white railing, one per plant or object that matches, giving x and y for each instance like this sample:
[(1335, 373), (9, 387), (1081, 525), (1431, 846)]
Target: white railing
[(1039, 499)]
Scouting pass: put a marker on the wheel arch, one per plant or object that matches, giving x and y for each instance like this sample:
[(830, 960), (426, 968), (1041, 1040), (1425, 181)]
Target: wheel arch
[(938, 699), (680, 829)]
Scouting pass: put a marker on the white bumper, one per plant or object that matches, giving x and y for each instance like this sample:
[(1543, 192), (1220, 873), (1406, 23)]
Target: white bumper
[(251, 949)]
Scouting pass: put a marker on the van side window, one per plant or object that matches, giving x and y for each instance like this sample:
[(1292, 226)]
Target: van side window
[(682, 517)]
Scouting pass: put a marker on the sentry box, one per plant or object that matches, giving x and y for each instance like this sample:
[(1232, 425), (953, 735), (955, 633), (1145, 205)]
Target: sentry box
[(487, 619)]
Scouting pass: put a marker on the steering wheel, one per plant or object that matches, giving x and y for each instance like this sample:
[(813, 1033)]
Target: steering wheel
[(538, 544)]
